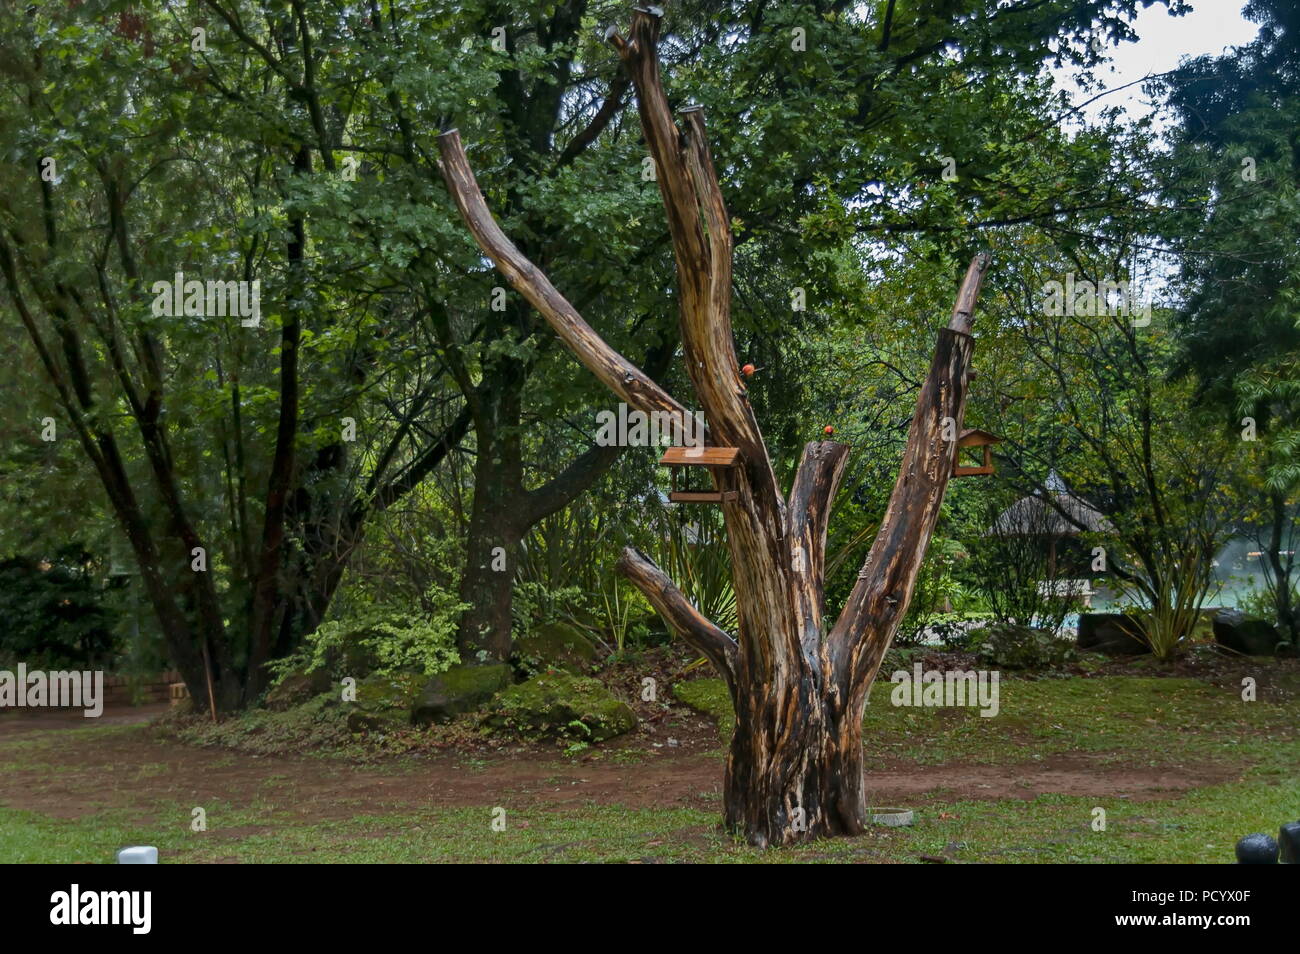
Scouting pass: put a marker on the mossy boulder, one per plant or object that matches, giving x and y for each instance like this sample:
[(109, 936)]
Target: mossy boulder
[(1009, 646), (559, 705), (384, 702), (556, 646), (461, 688), (296, 688)]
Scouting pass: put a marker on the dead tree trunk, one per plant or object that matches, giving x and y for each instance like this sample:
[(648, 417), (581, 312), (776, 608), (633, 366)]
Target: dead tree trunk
[(799, 686)]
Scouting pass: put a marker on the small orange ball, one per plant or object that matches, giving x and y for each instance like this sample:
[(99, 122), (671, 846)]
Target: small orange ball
[(828, 429), (747, 370)]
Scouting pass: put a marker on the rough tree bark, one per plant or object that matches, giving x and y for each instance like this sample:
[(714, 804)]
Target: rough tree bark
[(799, 685)]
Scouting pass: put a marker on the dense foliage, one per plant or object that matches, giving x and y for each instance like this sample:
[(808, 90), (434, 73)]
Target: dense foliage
[(398, 449)]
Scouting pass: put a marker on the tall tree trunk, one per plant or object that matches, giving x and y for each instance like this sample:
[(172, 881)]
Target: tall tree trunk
[(794, 770), (487, 580), (1286, 616), (483, 633), (798, 685), (269, 577)]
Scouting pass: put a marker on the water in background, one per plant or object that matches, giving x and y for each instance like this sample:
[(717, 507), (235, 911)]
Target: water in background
[(1237, 574)]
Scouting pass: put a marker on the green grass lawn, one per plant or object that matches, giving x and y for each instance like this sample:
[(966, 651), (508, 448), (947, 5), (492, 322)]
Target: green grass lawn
[(1120, 722), (1153, 720), (1198, 827)]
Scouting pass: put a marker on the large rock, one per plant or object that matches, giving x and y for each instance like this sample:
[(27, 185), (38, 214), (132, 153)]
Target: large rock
[(1257, 849), (462, 688), (556, 646), (557, 705), (1009, 646), (384, 702), (1250, 637), (1288, 839), (1115, 634), (296, 688)]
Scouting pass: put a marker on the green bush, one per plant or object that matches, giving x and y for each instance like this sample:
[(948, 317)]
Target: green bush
[(382, 641), (935, 586), (1261, 603), (953, 632)]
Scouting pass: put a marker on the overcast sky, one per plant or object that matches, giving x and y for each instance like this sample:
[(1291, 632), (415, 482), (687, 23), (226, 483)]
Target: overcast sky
[(1163, 40)]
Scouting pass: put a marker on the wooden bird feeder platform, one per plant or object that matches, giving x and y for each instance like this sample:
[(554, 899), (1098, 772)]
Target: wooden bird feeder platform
[(714, 458), (974, 437)]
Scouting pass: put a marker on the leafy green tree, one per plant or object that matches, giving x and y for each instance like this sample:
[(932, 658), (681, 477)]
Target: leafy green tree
[(1126, 438), (291, 144), (135, 152), (1232, 185)]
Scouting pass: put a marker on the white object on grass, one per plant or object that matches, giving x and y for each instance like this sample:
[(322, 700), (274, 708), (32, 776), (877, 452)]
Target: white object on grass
[(891, 817), (138, 855)]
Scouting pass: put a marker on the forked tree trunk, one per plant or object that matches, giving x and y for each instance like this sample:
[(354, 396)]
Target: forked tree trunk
[(799, 685)]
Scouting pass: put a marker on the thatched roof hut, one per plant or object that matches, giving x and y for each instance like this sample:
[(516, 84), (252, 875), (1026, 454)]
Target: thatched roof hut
[(1035, 516)]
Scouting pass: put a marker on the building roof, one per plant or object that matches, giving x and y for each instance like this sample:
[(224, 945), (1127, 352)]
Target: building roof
[(1036, 516)]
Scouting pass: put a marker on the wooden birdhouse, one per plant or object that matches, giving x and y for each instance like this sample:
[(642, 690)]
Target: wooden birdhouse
[(974, 437), (715, 459)]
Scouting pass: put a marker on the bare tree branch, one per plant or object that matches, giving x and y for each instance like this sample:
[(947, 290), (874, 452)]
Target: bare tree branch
[(888, 576), (811, 499), (618, 374), (686, 620)]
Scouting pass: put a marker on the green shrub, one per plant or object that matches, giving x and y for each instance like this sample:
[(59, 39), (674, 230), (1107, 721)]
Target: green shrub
[(935, 586), (1261, 603), (1171, 609), (954, 632), (382, 641), (691, 546)]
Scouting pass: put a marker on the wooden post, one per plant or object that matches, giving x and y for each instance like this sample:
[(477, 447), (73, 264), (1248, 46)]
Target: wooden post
[(207, 671)]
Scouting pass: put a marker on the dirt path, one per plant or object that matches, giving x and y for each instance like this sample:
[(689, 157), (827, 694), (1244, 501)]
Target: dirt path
[(135, 771)]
